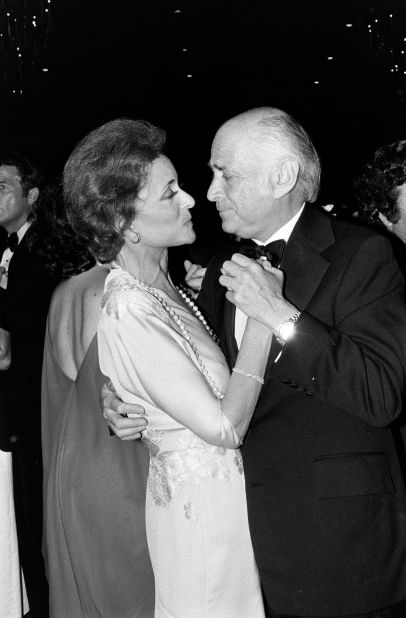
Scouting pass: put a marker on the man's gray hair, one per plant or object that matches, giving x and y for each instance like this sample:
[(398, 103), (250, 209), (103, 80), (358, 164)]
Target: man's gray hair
[(276, 128)]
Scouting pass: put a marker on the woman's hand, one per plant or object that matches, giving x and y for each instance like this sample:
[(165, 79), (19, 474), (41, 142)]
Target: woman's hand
[(194, 277), (256, 288)]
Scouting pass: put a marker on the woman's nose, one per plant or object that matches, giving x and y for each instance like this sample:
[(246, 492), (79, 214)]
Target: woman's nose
[(188, 200)]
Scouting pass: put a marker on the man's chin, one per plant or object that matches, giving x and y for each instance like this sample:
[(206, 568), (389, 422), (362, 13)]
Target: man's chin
[(231, 229), (191, 238), (228, 227)]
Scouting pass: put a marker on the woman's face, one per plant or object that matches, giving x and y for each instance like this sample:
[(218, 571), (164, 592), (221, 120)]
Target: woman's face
[(163, 218)]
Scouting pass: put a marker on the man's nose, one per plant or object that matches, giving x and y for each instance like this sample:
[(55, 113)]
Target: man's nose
[(213, 191)]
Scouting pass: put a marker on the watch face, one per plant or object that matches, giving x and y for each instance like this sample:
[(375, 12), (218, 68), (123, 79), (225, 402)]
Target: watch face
[(286, 330)]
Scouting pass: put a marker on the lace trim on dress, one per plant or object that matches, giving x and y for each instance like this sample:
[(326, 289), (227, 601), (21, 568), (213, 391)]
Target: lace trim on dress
[(192, 457), (122, 291)]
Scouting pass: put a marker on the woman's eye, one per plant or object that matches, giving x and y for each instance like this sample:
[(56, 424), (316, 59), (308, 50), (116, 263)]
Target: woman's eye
[(169, 194)]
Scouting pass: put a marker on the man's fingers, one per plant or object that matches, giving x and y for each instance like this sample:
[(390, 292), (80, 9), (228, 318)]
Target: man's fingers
[(126, 434), (127, 409), (237, 264), (119, 421), (227, 281), (128, 428), (230, 269), (241, 260)]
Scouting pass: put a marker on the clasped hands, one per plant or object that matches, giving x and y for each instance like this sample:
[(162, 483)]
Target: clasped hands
[(256, 288)]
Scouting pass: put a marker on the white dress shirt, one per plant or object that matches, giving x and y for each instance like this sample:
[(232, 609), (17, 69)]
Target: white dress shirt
[(8, 254), (282, 234)]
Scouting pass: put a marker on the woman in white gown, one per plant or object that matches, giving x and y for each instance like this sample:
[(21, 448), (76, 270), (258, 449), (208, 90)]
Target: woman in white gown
[(123, 196)]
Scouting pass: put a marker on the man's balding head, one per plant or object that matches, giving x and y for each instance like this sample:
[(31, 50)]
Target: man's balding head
[(276, 135)]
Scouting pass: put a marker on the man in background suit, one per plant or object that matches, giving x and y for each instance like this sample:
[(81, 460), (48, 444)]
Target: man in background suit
[(25, 291), (326, 498)]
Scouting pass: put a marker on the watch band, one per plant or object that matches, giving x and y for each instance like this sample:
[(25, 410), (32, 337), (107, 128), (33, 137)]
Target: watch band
[(292, 320)]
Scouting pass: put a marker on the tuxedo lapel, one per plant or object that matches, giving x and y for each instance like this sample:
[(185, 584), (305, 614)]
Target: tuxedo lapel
[(18, 259), (303, 265), (229, 342)]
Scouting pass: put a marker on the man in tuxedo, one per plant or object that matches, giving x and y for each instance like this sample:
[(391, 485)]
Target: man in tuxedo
[(326, 499), (25, 291)]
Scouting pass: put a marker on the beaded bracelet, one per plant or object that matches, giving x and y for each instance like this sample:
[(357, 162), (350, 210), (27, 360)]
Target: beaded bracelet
[(248, 375)]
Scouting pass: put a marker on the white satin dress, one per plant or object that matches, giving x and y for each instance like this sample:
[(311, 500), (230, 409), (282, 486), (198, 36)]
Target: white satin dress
[(196, 512)]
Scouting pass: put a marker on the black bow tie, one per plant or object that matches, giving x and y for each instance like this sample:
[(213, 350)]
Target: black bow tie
[(273, 251), (8, 242)]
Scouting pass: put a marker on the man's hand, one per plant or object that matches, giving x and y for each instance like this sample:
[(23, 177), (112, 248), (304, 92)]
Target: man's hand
[(194, 277), (5, 350), (126, 420), (256, 289)]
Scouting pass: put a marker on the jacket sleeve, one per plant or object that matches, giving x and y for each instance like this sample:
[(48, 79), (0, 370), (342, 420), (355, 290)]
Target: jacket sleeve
[(356, 365), (24, 306), (211, 296)]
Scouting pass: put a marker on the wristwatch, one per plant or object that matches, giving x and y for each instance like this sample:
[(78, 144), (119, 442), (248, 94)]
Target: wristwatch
[(287, 328)]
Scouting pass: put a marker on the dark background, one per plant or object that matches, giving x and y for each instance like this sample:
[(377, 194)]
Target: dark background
[(189, 65)]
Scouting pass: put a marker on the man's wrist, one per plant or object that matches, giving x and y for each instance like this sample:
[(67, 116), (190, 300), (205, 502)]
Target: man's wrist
[(287, 327)]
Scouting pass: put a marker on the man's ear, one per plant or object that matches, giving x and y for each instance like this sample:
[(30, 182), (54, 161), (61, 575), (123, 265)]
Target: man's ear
[(388, 224), (285, 177), (32, 196)]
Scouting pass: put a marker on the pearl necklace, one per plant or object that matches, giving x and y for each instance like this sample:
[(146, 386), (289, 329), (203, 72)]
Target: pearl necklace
[(189, 301), (183, 328)]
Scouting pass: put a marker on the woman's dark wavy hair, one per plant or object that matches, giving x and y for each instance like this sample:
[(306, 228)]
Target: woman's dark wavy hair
[(63, 251), (103, 177), (377, 189)]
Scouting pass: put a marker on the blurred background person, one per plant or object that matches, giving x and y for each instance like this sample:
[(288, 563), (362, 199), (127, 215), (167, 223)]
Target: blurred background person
[(95, 546), (25, 291), (106, 483), (62, 251), (381, 194), (13, 596)]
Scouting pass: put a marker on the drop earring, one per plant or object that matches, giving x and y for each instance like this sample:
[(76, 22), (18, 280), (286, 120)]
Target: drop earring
[(135, 236)]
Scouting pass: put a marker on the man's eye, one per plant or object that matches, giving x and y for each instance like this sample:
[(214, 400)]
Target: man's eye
[(3, 187)]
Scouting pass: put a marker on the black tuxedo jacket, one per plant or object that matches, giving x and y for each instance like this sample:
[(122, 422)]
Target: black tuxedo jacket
[(23, 312), (326, 498)]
